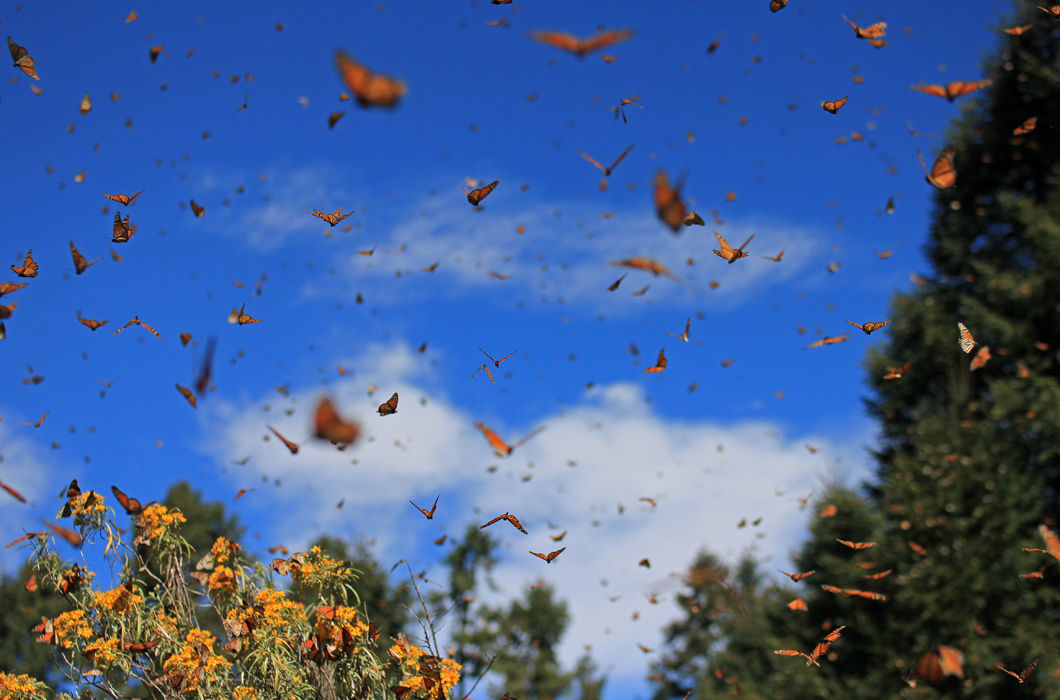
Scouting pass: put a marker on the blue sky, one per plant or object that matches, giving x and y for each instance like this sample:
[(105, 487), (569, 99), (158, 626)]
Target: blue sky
[(744, 119)]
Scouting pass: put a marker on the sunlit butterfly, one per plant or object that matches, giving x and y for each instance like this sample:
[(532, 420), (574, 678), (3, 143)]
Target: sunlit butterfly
[(332, 218), (1016, 31), (500, 447), (668, 205), (1054, 11), (1026, 127), (965, 338), (727, 252), (896, 372), (936, 665), (124, 199), (873, 31), (646, 264), (80, 263), (609, 169), (243, 318), (660, 363), (857, 546), (496, 363), (869, 326), (855, 593), (122, 230), (800, 576), (23, 61), (429, 514), (132, 506), (981, 358), (682, 336), (488, 373), (942, 175), (514, 521), (291, 446), (137, 322), (477, 195), (197, 209), (1022, 675), (775, 258), (187, 394), (819, 650), (547, 558), (833, 106), (389, 406), (777, 5), (951, 91), (370, 89), (581, 47), (328, 425), (28, 268), (693, 219)]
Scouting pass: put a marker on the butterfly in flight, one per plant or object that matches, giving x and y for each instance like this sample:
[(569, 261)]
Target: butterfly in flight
[(833, 106), (646, 264), (668, 205), (28, 268), (332, 218), (370, 89), (547, 558), (693, 219), (38, 423), (500, 447), (942, 175), (202, 382), (660, 363), (293, 447), (621, 107), (13, 492), (870, 326), (896, 372), (187, 394), (727, 252), (67, 534), (609, 169), (90, 324), (477, 195), (80, 263), (328, 425), (23, 61), (137, 322), (980, 359), (581, 47), (818, 651), (122, 230), (488, 373), (682, 336), (1021, 676), (828, 340), (429, 514), (132, 506), (497, 363), (514, 521), (124, 199), (873, 31), (389, 407), (197, 209), (936, 665), (776, 258), (951, 91), (1026, 127), (854, 593), (798, 577), (776, 6), (857, 546), (965, 338), (241, 317)]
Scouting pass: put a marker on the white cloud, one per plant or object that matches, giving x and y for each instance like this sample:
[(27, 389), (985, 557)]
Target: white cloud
[(610, 449), (23, 467)]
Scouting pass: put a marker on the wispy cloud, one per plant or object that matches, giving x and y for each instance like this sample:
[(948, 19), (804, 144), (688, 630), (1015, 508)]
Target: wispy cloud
[(24, 467)]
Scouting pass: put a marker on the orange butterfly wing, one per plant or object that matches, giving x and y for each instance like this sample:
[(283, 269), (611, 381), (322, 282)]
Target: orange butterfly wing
[(668, 204), (499, 446), (390, 406), (28, 268), (942, 175), (833, 106), (933, 90), (370, 89)]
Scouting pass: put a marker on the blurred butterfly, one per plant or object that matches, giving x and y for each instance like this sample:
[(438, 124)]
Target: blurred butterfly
[(581, 47), (660, 363), (857, 546), (370, 89), (981, 358), (123, 199), (1022, 676), (477, 195), (291, 446), (942, 175), (500, 447), (1052, 542), (855, 593), (90, 324), (38, 423), (727, 252), (13, 492), (389, 407), (23, 61), (777, 5), (609, 169), (614, 285), (818, 651), (332, 218), (1016, 31), (80, 264), (547, 558), (86, 105), (1053, 11), (934, 666), (198, 209), (429, 514), (328, 425), (682, 336), (896, 372), (833, 106), (777, 257), (693, 219), (28, 268), (243, 318), (878, 575), (646, 264), (155, 52), (69, 535), (132, 506), (798, 577), (497, 363), (951, 91), (122, 230), (202, 382), (514, 521), (668, 205), (6, 310), (1026, 127), (870, 326), (488, 373), (965, 338), (798, 604), (137, 322), (828, 340), (187, 394), (873, 31)]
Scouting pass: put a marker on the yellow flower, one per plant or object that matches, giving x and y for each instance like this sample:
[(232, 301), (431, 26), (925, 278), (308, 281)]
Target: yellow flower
[(195, 665), (21, 687), (450, 676), (223, 579), (279, 613), (87, 506), (71, 625), (223, 549), (155, 520), (118, 599), (244, 692), (102, 652)]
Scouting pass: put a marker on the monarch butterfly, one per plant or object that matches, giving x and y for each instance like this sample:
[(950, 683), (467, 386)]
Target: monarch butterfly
[(198, 209), (90, 324), (833, 106), (13, 492), (155, 52), (581, 47), (69, 535), (333, 218), (777, 5), (429, 514), (819, 650), (896, 372), (514, 521), (942, 175), (1021, 676), (80, 264), (693, 219), (951, 91), (668, 205), (873, 31), (8, 287), (500, 447), (28, 268), (727, 252), (878, 575), (857, 546), (123, 199), (855, 593), (870, 326), (23, 61), (86, 104), (682, 336), (609, 169), (1026, 127), (798, 577), (660, 363), (966, 340), (798, 604), (1016, 31), (477, 195), (291, 446), (488, 373), (243, 318), (122, 230), (547, 558), (1052, 542), (370, 89), (185, 338), (646, 264), (389, 407), (936, 665), (187, 394), (1053, 11), (981, 358), (137, 322), (6, 310), (876, 43)]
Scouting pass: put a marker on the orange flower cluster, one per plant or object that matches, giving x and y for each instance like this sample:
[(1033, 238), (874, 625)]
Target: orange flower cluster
[(317, 568), (155, 520), (118, 599), (195, 666), (431, 677), (223, 580), (337, 633), (70, 626), (21, 687), (223, 550), (102, 652)]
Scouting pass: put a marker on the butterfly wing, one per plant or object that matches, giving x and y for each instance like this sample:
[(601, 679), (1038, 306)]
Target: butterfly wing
[(390, 406), (933, 90), (500, 447)]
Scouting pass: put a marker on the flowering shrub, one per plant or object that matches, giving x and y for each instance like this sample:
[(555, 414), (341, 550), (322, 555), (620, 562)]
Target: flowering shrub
[(257, 639)]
